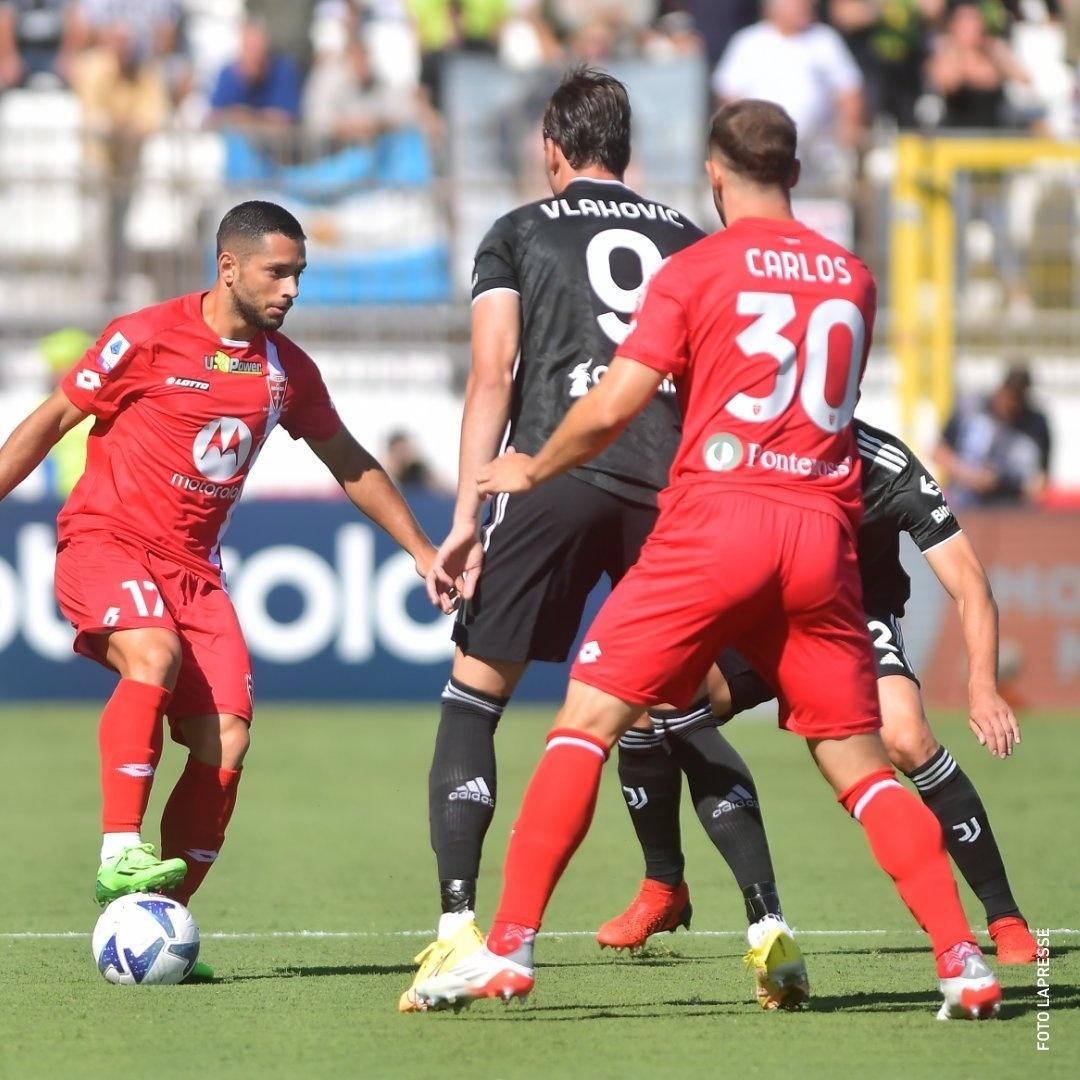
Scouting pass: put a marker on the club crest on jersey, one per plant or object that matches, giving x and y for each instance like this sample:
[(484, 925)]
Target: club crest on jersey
[(276, 383), (223, 362), (723, 452)]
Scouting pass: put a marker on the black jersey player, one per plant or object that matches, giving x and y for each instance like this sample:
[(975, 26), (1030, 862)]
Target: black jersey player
[(901, 496), (554, 288)]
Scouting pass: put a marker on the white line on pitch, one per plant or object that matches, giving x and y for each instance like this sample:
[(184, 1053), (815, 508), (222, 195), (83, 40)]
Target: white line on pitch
[(266, 935)]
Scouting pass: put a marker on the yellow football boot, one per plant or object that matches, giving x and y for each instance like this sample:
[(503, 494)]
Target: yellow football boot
[(439, 955), (777, 963)]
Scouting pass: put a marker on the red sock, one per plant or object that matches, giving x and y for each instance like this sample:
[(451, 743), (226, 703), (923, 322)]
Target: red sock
[(129, 745), (555, 816), (907, 842), (196, 815)]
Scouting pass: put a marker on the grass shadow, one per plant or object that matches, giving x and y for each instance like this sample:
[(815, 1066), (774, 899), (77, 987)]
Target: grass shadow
[(322, 971)]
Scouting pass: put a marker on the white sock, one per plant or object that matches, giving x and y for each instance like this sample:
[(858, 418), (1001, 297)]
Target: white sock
[(112, 843), (452, 921), (756, 932)]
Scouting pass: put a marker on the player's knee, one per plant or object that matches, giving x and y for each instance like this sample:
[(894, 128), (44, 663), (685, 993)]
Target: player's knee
[(909, 743), (156, 662), (235, 736)]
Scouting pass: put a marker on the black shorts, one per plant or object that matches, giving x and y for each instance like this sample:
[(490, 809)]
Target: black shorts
[(544, 552), (890, 655)]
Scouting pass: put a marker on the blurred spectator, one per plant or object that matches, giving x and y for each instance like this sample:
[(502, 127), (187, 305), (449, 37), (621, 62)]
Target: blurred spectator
[(260, 90), (61, 350), (717, 23), (124, 100), (444, 26), (997, 450), (288, 22), (527, 39), (801, 65), (969, 67), (37, 39), (889, 40), (407, 468), (344, 102), (152, 25), (597, 30)]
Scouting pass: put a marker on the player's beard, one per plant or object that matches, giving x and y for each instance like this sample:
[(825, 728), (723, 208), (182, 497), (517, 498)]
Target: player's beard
[(252, 312)]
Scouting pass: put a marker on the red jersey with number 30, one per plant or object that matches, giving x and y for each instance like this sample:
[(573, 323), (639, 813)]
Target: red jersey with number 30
[(766, 328), (181, 417)]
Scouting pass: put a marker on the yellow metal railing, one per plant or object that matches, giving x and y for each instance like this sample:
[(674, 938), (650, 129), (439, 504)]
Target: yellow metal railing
[(923, 253)]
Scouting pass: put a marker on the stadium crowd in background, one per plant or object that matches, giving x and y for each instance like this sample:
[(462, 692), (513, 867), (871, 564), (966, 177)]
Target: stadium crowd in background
[(983, 63), (327, 101)]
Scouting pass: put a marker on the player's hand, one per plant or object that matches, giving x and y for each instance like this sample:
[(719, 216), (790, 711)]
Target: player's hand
[(455, 568), (509, 473), (993, 723), (423, 560)]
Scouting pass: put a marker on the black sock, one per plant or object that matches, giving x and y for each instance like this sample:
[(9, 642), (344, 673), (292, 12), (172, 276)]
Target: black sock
[(652, 784), (461, 789), (951, 796), (726, 801)]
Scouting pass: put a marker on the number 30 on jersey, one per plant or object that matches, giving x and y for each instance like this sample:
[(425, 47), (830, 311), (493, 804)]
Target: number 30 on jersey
[(764, 337)]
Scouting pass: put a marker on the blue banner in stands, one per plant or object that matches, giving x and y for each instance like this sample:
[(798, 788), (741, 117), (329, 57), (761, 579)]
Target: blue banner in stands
[(332, 610)]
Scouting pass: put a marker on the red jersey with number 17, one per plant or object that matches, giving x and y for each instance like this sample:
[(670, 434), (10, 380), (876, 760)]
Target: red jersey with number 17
[(765, 328), (181, 417)]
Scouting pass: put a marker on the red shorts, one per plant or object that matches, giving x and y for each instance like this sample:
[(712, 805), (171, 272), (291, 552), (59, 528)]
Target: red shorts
[(779, 581), (104, 583)]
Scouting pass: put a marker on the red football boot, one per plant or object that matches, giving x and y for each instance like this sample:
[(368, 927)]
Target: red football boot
[(656, 908), (1015, 944)]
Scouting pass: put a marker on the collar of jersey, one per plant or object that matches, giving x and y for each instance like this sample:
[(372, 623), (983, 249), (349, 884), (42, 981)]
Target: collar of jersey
[(594, 180)]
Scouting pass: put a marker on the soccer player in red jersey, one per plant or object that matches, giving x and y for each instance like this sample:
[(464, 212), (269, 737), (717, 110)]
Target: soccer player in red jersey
[(765, 328), (185, 394)]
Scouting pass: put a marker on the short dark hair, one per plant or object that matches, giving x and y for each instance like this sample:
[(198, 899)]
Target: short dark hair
[(588, 119), (1018, 379), (250, 221), (757, 140)]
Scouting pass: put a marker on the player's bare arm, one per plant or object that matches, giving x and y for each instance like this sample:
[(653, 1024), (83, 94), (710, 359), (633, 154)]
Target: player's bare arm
[(27, 446), (496, 336), (374, 494), (594, 423), (960, 571)]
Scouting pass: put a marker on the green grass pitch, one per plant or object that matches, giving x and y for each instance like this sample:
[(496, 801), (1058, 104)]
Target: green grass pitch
[(330, 836)]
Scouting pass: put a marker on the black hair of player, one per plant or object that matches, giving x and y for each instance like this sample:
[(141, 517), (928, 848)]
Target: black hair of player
[(757, 140), (249, 222), (588, 119)]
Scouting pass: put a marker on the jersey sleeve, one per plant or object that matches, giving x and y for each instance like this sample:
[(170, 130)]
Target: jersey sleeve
[(495, 266), (920, 507), (112, 372), (658, 333), (309, 412)]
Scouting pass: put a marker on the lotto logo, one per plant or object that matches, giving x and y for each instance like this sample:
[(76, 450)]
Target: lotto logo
[(590, 652), (88, 380)]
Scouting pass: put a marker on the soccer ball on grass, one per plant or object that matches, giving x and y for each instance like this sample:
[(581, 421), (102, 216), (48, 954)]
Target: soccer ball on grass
[(143, 939)]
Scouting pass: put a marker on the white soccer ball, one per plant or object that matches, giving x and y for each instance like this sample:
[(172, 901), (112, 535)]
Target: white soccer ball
[(144, 939)]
